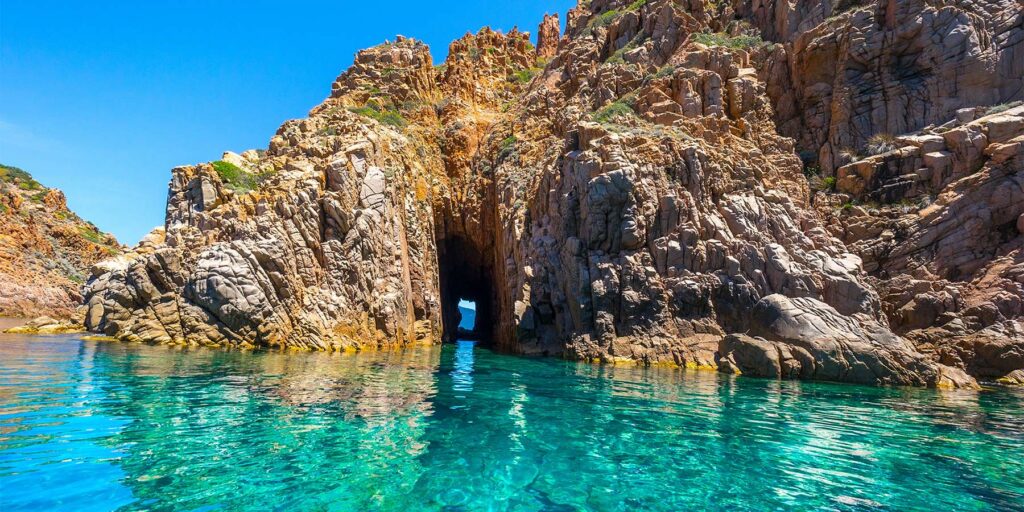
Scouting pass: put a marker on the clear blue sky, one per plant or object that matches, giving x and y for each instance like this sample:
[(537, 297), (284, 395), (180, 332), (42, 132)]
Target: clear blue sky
[(103, 98)]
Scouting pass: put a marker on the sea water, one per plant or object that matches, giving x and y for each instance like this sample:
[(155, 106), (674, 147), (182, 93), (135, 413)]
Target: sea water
[(88, 425)]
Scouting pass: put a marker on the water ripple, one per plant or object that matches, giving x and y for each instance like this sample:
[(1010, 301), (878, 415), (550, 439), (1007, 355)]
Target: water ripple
[(108, 426)]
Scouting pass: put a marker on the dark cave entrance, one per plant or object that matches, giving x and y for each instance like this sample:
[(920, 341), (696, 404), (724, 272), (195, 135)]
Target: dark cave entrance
[(466, 278)]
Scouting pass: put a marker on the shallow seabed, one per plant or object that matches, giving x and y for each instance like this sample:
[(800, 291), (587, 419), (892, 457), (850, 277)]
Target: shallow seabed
[(109, 426)]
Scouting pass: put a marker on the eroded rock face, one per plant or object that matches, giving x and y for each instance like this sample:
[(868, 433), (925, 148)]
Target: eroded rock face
[(45, 249), (548, 36), (853, 69), (935, 220), (632, 200), (806, 338)]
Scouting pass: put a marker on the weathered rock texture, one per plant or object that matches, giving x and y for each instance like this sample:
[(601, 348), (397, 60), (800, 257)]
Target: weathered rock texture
[(45, 249), (937, 220), (548, 36), (619, 193), (850, 69)]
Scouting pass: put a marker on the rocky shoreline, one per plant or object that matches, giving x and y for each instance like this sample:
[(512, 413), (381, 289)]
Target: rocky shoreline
[(734, 186)]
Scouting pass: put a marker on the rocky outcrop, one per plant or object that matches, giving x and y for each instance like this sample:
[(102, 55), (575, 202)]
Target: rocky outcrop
[(851, 69), (935, 219), (808, 339), (548, 36), (330, 244), (45, 249), (46, 325), (623, 197)]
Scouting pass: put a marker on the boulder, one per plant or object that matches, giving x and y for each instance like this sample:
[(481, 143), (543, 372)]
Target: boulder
[(805, 338)]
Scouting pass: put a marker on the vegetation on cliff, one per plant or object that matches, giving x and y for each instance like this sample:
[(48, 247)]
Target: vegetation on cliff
[(45, 249)]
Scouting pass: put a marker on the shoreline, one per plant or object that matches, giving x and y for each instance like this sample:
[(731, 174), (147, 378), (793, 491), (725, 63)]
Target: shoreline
[(983, 385)]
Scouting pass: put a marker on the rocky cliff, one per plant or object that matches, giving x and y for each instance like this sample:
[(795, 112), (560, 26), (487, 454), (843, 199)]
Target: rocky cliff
[(662, 183), (45, 249)]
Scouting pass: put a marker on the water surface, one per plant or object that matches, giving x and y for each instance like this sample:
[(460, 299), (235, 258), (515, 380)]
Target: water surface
[(111, 426)]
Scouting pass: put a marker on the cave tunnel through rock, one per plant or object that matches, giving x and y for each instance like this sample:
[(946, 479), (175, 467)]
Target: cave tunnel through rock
[(466, 277), (467, 318)]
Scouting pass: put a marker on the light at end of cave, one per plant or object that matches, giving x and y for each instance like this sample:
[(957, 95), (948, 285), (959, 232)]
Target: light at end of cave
[(468, 311)]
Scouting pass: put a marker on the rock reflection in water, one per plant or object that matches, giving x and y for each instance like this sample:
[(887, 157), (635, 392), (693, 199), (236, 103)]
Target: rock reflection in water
[(98, 426), (269, 421)]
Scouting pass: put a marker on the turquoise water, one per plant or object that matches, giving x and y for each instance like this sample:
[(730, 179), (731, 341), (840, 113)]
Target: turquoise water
[(112, 426)]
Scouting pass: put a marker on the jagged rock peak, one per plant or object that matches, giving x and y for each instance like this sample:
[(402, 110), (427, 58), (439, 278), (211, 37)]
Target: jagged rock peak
[(403, 69), (548, 36)]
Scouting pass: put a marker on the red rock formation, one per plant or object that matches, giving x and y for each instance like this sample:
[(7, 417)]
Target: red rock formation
[(631, 201), (547, 36), (45, 249)]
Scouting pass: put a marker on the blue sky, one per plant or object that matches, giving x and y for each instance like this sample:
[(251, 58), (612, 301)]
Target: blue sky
[(102, 99)]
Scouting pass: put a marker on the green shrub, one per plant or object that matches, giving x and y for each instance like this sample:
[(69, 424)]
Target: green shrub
[(666, 70), (720, 39), (523, 76), (91, 234), (615, 110), (19, 177), (619, 56), (506, 147), (828, 183), (811, 171), (604, 19), (236, 178), (385, 115)]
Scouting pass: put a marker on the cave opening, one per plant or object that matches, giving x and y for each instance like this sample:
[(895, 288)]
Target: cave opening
[(466, 278), (467, 318)]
